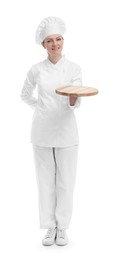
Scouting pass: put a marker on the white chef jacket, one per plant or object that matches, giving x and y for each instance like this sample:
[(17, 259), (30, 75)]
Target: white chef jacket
[(54, 122)]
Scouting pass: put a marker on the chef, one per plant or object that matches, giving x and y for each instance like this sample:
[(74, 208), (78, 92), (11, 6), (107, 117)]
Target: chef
[(54, 133)]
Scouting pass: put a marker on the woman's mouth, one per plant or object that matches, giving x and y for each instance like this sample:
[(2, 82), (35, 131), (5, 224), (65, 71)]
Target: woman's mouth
[(55, 48)]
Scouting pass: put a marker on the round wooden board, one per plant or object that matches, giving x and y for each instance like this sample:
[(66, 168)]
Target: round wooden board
[(78, 91)]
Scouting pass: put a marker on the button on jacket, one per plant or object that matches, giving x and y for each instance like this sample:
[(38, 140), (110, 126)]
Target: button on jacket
[(54, 122)]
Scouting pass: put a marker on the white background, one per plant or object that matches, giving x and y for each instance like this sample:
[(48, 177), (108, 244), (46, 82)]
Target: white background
[(89, 42)]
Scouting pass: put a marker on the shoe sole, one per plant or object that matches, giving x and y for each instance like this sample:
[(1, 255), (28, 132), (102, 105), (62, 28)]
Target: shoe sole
[(61, 244), (47, 244), (64, 244)]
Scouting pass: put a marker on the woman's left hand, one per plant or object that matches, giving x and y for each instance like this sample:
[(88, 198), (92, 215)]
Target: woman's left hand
[(72, 100)]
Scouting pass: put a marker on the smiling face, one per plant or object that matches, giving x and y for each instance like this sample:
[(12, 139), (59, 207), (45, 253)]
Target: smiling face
[(53, 44)]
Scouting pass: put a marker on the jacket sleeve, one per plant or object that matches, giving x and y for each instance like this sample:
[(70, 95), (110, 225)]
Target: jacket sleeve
[(76, 81), (28, 88)]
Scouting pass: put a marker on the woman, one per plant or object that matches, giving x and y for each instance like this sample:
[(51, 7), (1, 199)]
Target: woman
[(54, 133)]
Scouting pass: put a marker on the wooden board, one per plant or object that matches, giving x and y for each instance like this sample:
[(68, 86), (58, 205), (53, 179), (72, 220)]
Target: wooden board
[(76, 91)]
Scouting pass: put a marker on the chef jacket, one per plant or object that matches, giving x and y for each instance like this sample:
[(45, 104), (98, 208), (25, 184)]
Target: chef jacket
[(54, 122)]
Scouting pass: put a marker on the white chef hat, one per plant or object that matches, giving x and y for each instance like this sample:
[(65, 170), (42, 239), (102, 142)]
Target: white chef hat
[(49, 26)]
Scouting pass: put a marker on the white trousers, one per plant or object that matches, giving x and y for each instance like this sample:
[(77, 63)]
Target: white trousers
[(56, 174)]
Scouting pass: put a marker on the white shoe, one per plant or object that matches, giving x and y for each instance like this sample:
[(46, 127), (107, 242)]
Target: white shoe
[(61, 238), (49, 238)]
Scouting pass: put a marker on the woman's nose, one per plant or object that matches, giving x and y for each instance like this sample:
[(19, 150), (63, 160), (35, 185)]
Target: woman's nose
[(54, 43)]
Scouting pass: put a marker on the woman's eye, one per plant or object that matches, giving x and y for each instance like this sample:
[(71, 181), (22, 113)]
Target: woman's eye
[(59, 39)]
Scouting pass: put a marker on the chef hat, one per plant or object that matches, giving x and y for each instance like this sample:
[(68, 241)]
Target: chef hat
[(49, 26)]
